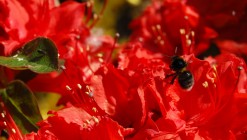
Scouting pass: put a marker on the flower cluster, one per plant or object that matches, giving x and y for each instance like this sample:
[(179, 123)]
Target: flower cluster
[(182, 73)]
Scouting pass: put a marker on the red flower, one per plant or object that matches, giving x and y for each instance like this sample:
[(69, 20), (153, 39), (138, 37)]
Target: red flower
[(213, 108), (69, 28), (75, 123), (7, 123), (228, 19), (171, 21)]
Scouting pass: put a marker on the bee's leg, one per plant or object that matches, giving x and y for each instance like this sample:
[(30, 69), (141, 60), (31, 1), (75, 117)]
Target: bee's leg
[(169, 75), (173, 78)]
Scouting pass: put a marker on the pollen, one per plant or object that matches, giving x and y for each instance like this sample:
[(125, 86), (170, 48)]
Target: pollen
[(89, 91), (3, 115), (205, 84), (240, 67), (13, 130), (189, 42), (89, 4), (182, 31), (158, 37), (140, 39), (68, 88), (192, 33), (84, 125), (94, 109), (63, 67), (96, 120), (162, 42), (2, 104), (101, 60), (214, 67), (100, 54), (87, 121), (158, 27), (79, 86)]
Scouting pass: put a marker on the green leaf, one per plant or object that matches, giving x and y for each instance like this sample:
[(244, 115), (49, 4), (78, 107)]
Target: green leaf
[(39, 55), (22, 106)]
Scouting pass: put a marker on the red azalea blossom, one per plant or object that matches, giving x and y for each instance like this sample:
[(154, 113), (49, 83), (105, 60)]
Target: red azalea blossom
[(224, 17), (228, 19), (170, 21), (73, 38), (140, 96)]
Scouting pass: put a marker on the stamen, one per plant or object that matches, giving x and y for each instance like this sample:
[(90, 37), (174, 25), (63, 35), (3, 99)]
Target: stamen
[(84, 125), (87, 121), (96, 120), (94, 109), (68, 88), (205, 84), (63, 67), (79, 86), (140, 39), (240, 67), (182, 31), (13, 130), (3, 115)]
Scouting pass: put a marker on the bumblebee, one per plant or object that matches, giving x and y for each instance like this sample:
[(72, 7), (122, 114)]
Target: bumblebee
[(185, 77)]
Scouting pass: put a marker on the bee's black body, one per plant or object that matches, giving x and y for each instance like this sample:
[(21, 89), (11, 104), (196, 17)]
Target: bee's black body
[(185, 77)]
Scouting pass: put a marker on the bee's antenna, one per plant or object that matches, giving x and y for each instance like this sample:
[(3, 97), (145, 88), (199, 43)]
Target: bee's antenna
[(167, 56), (176, 50)]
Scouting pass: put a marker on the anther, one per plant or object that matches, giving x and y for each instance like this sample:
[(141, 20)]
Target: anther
[(140, 39), (205, 84), (2, 104), (68, 88), (158, 37), (87, 121), (162, 42), (13, 130), (240, 67), (94, 109), (99, 54), (78, 37), (158, 27), (189, 42), (88, 48), (182, 31), (89, 4), (101, 60), (63, 67), (84, 125), (95, 16), (79, 86), (3, 115), (117, 35), (89, 93), (96, 120), (192, 33)]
